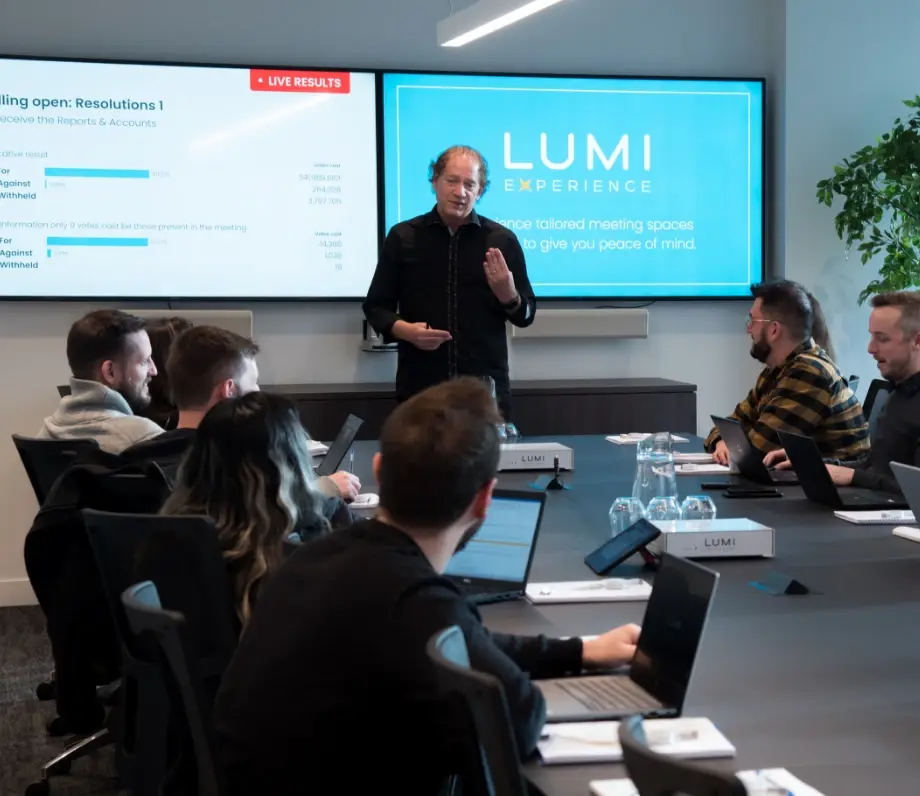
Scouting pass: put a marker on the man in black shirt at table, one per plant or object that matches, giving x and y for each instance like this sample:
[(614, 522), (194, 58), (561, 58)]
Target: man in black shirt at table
[(894, 329), (331, 690), (447, 282)]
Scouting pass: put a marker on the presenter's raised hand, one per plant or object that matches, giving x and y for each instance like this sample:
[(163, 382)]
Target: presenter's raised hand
[(500, 278), (420, 335)]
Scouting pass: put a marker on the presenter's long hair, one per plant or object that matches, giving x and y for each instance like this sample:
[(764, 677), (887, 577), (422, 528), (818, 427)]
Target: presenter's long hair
[(250, 470)]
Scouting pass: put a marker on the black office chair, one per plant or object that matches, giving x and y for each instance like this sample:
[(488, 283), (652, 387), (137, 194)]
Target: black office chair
[(495, 764), (182, 556), (45, 460), (63, 390), (654, 774), (853, 382), (876, 398), (146, 615)]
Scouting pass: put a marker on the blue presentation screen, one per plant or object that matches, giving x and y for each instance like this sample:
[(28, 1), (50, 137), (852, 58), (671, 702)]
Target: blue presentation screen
[(615, 187)]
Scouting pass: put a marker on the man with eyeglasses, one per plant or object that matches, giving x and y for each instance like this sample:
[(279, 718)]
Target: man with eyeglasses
[(800, 389), (447, 282)]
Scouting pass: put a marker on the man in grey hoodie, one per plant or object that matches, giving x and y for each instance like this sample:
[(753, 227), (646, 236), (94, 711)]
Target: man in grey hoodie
[(111, 365)]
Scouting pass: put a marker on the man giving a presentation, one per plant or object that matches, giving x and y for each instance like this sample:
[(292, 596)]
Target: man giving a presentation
[(446, 283)]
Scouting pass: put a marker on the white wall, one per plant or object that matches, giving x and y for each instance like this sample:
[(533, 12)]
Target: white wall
[(849, 64), (320, 342)]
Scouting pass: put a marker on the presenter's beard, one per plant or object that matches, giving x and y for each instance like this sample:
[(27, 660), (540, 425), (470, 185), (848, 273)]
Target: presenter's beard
[(761, 350), (469, 534)]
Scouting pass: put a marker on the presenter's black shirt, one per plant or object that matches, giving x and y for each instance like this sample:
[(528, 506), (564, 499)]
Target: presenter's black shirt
[(428, 275), (331, 689)]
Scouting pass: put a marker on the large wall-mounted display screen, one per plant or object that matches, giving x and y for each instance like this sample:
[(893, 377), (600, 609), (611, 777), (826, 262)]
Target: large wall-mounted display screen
[(134, 180), (616, 188)]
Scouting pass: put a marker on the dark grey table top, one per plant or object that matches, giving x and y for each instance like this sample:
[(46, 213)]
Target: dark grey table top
[(826, 685)]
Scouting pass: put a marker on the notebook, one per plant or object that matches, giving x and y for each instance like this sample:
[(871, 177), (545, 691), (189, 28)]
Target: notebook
[(609, 590), (892, 517), (599, 743), (495, 564), (763, 782), (692, 468)]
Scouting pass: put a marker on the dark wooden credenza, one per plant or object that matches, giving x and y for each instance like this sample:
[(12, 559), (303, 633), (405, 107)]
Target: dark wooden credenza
[(540, 408)]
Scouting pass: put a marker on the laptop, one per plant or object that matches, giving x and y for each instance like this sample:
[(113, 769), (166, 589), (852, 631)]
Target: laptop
[(747, 458), (660, 672), (908, 478), (495, 564), (818, 485), (332, 461)]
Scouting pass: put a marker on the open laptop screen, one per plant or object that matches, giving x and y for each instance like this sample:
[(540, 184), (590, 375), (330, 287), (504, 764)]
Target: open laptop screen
[(346, 436), (502, 548), (673, 628)]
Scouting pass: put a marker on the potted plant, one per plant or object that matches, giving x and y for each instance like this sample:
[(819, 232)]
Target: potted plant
[(880, 186)]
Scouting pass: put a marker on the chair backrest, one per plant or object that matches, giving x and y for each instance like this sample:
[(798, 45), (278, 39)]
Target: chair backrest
[(182, 556), (853, 382), (876, 397), (63, 390), (45, 460), (655, 774), (146, 615), (496, 763)]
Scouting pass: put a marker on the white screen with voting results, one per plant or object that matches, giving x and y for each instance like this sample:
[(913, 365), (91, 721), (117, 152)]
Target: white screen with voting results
[(501, 548)]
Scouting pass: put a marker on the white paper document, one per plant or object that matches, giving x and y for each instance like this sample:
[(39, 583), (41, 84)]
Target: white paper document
[(693, 458), (597, 742), (634, 438), (317, 448), (589, 591), (764, 782), (702, 469)]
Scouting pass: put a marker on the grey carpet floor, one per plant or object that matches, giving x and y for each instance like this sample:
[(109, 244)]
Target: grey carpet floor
[(25, 661)]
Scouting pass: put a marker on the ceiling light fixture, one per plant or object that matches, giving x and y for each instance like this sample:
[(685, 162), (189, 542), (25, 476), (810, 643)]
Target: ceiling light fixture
[(485, 17)]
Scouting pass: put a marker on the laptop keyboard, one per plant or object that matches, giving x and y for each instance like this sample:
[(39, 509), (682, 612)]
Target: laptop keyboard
[(608, 693)]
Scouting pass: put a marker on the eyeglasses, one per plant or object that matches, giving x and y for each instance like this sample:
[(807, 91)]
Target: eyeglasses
[(751, 320)]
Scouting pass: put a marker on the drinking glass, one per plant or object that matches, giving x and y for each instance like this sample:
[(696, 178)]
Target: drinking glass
[(504, 433), (663, 508), (624, 512), (698, 507)]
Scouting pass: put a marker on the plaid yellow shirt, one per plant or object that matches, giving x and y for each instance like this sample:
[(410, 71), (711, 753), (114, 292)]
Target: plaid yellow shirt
[(806, 395)]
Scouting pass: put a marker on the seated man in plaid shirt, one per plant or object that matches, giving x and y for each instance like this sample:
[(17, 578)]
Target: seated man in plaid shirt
[(800, 389)]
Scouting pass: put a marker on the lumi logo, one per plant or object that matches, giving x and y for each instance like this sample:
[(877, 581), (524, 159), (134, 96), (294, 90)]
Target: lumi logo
[(532, 457), (725, 541), (594, 154)]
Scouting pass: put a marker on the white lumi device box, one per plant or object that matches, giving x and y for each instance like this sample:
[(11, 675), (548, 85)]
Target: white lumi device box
[(535, 456), (728, 538)]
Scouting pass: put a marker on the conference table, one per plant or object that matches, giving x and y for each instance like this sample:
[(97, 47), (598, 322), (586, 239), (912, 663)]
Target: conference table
[(826, 685)]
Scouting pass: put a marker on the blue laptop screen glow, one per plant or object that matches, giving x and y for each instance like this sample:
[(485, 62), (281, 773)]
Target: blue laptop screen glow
[(501, 549)]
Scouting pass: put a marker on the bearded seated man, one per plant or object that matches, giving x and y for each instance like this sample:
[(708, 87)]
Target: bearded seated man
[(111, 363), (800, 390)]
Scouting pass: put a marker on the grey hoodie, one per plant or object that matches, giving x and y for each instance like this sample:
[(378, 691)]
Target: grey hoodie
[(93, 411)]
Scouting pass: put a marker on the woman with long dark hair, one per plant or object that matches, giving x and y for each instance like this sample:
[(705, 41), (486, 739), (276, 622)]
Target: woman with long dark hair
[(250, 470)]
